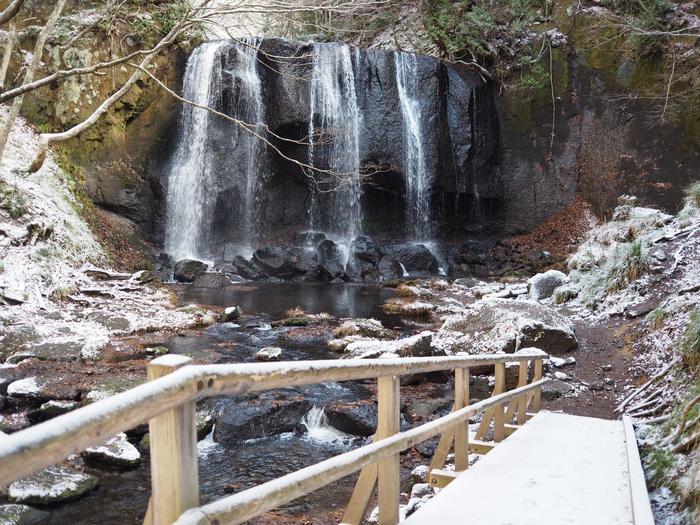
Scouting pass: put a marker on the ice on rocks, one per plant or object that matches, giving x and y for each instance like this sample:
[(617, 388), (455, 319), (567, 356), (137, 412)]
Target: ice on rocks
[(27, 387), (53, 485), (116, 451)]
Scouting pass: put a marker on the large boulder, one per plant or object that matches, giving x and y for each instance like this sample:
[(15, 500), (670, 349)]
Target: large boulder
[(274, 260), (542, 285), (365, 249), (497, 325), (389, 269), (416, 258), (187, 270), (247, 269), (50, 486), (267, 414), (330, 260), (358, 418)]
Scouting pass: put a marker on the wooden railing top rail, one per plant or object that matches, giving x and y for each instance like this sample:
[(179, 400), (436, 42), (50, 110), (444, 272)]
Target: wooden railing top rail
[(50, 442), (252, 502)]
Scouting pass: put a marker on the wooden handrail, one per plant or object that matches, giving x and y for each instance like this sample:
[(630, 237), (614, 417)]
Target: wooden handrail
[(245, 505), (167, 401), (52, 441)]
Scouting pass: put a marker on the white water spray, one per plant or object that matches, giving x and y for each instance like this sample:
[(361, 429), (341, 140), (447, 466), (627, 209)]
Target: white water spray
[(334, 133), (417, 176), (189, 200)]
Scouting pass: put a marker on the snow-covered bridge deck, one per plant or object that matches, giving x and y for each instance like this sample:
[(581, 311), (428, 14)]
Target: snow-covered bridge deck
[(556, 469)]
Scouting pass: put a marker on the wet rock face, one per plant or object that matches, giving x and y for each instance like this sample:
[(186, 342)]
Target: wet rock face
[(416, 258), (358, 418), (187, 270), (268, 414)]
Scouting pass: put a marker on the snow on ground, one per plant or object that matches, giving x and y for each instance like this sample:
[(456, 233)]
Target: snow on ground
[(46, 296)]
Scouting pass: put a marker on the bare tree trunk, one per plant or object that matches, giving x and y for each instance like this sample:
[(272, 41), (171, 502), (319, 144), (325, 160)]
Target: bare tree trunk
[(29, 75), (10, 11), (11, 37)]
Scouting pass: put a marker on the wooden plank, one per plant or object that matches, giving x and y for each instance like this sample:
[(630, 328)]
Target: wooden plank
[(498, 411), (173, 451), (361, 496), (441, 478), (461, 430), (522, 400), (52, 441), (509, 428), (480, 447), (641, 507), (388, 468), (243, 506), (443, 449)]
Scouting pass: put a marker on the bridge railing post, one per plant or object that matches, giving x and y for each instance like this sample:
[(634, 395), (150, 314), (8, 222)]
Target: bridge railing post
[(388, 468), (462, 430), (536, 376), (173, 449), (499, 414)]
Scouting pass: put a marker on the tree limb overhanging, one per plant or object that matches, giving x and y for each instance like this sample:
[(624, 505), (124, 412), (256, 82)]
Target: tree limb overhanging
[(10, 11)]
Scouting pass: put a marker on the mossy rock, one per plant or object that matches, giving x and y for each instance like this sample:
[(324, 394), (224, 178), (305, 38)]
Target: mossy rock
[(294, 321), (116, 452), (51, 486), (14, 514)]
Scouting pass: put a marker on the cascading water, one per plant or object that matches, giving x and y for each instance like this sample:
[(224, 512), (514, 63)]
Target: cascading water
[(418, 180), (189, 201), (334, 134), (318, 429), (249, 108), (192, 188)]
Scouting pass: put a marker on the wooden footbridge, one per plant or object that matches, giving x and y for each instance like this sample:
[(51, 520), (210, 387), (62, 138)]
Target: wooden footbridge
[(533, 467)]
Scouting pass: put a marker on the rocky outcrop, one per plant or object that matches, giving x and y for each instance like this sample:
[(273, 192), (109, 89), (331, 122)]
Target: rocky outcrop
[(358, 418), (187, 270), (268, 414), (500, 325)]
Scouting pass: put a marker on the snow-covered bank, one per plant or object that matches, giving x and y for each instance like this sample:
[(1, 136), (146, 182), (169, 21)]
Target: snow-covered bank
[(52, 306)]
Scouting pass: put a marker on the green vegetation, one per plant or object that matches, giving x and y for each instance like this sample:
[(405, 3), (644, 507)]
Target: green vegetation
[(692, 193), (657, 317), (493, 34), (690, 345), (659, 466), (12, 200)]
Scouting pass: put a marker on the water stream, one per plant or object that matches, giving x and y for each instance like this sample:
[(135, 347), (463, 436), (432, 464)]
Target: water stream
[(335, 143), (418, 180), (189, 202)]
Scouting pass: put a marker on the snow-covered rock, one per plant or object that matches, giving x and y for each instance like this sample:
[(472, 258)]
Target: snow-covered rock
[(15, 514), (115, 452), (53, 485), (413, 346), (269, 353), (542, 285), (420, 490), (231, 313), (500, 325), (339, 344), (420, 473), (27, 387), (364, 327)]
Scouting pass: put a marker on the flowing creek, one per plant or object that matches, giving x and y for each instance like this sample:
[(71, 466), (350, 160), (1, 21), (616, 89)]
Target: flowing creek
[(122, 497)]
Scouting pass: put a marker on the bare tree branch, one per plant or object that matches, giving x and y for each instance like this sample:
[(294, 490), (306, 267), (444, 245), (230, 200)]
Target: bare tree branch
[(10, 11), (11, 37)]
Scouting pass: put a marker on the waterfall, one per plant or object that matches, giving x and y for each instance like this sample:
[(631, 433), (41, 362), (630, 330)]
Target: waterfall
[(318, 429), (334, 135), (189, 202), (416, 172), (249, 108)]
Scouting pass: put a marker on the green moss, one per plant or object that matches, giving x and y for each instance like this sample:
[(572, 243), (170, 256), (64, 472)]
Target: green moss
[(690, 345), (657, 317)]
